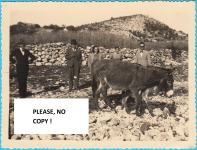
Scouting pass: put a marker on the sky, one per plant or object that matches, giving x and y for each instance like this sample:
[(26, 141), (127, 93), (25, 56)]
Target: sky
[(176, 15)]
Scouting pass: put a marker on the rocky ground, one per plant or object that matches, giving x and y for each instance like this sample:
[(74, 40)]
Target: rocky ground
[(169, 123)]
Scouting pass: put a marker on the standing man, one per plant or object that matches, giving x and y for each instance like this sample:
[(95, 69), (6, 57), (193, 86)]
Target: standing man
[(74, 58), (22, 56), (143, 56)]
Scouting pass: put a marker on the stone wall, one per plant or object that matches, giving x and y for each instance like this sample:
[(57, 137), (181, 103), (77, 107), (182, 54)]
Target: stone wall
[(54, 54)]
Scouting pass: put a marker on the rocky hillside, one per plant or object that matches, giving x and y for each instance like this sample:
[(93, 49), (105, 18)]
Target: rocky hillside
[(137, 27)]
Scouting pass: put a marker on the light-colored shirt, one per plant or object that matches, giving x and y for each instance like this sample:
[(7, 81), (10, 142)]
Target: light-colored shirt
[(93, 57), (116, 56), (143, 58)]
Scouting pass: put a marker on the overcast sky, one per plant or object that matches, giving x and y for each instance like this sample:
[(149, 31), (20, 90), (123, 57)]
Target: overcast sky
[(175, 15)]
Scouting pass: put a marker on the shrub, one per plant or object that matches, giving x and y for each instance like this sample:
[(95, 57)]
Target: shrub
[(24, 28)]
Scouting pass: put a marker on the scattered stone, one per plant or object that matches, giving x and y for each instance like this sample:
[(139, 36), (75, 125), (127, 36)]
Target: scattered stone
[(58, 137), (182, 121), (35, 137), (144, 127), (115, 132), (16, 136), (105, 119), (50, 93), (45, 136), (26, 137), (157, 112), (92, 120), (38, 63), (114, 122), (62, 88), (179, 130), (166, 112)]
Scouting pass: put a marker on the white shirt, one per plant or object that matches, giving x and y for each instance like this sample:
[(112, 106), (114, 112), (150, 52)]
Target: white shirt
[(141, 53), (22, 52)]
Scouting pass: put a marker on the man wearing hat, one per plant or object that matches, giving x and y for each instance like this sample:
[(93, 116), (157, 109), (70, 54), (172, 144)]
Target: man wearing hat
[(143, 56), (74, 59), (22, 56)]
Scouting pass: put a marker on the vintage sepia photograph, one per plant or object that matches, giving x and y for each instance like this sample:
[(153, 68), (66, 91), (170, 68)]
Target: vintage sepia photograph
[(131, 60)]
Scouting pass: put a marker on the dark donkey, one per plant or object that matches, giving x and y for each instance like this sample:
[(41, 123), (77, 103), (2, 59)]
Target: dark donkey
[(126, 76)]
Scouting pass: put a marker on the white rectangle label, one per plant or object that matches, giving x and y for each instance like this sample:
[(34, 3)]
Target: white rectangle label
[(51, 116)]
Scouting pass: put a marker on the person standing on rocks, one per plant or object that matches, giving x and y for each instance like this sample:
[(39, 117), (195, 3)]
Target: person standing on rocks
[(143, 56), (74, 59), (117, 55), (21, 56)]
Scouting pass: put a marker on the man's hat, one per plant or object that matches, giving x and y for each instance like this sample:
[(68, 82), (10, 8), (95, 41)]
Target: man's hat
[(142, 44), (73, 42)]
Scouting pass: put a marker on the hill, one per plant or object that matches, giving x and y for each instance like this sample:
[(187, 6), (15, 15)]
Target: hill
[(136, 27), (124, 31)]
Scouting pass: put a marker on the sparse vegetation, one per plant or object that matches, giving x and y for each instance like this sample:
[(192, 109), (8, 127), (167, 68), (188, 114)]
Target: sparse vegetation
[(54, 27), (87, 38), (71, 28)]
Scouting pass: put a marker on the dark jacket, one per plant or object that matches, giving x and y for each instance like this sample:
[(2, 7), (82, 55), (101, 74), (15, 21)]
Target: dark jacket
[(73, 57), (22, 61)]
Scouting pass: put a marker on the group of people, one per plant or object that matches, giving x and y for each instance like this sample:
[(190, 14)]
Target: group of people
[(142, 56), (74, 60)]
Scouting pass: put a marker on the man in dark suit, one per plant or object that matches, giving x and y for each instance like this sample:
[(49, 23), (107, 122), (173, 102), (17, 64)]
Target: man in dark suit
[(22, 56), (74, 58)]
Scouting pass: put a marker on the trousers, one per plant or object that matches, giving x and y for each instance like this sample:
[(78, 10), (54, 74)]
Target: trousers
[(74, 76), (22, 84)]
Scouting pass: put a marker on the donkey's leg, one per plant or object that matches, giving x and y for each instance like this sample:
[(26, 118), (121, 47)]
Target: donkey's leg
[(124, 102), (127, 106), (97, 94), (138, 96), (150, 110), (147, 106), (94, 86), (104, 93)]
